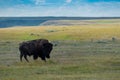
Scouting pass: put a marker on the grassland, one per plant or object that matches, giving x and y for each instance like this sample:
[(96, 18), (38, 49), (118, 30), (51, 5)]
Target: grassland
[(84, 52), (82, 32)]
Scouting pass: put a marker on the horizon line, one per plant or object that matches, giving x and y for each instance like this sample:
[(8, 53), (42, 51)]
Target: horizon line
[(67, 16)]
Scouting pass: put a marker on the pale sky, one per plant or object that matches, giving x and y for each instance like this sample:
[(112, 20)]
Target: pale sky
[(75, 8)]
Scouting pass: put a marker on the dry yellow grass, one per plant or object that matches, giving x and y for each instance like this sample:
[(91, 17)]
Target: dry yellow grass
[(82, 32)]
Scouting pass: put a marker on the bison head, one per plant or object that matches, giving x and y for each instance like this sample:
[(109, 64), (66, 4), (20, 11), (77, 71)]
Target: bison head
[(47, 48)]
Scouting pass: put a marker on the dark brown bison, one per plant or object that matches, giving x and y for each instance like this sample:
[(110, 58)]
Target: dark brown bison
[(36, 48)]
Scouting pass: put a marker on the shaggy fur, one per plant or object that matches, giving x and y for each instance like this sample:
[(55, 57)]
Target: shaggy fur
[(36, 48)]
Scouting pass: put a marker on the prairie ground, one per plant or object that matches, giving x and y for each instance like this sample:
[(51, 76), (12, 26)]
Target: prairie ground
[(84, 52)]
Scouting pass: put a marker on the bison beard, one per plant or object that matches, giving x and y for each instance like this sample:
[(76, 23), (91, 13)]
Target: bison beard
[(36, 48)]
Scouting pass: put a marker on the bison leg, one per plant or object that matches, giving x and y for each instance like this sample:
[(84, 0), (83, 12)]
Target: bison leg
[(43, 58), (35, 57), (48, 56), (21, 55), (25, 56)]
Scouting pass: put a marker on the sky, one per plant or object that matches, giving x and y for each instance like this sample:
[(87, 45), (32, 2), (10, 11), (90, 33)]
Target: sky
[(69, 8)]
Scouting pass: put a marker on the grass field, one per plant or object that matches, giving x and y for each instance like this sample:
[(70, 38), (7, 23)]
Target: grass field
[(84, 52)]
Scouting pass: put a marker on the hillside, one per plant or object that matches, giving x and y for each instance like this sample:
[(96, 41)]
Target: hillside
[(78, 32)]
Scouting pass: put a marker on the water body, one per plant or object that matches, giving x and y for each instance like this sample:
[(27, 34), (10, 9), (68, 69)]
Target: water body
[(36, 21)]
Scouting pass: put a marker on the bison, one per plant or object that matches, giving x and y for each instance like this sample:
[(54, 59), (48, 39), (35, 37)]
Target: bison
[(36, 48)]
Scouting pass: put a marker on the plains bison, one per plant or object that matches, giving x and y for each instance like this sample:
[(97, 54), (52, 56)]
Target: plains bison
[(36, 48)]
